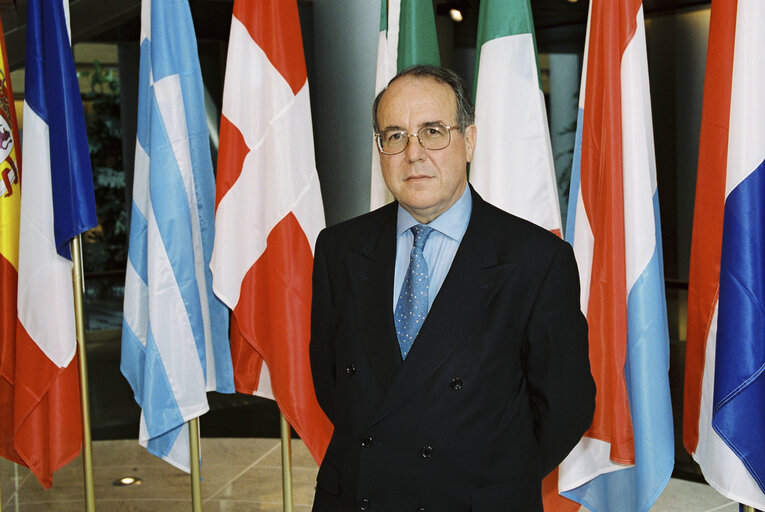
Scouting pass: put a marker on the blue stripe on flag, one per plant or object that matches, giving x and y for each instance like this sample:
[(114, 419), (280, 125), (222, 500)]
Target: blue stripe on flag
[(573, 191), (132, 361), (646, 372), (143, 128), (137, 250), (52, 91), (739, 395)]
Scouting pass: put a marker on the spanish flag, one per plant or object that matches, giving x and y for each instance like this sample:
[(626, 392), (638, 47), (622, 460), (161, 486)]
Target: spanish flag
[(10, 194)]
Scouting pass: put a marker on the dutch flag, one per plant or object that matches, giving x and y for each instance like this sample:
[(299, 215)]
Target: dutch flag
[(724, 420)]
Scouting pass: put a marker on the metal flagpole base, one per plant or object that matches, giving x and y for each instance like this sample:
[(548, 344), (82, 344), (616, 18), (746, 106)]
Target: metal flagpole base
[(196, 485), (286, 463), (87, 445)]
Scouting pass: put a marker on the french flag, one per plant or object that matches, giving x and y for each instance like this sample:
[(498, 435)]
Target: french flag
[(624, 461), (724, 420), (57, 204), (269, 213)]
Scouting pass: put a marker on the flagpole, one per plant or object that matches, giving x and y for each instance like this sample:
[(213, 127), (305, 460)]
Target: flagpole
[(747, 508), (87, 446), (286, 463), (196, 489)]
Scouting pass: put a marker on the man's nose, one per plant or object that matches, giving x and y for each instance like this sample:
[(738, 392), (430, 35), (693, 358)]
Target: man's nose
[(414, 150)]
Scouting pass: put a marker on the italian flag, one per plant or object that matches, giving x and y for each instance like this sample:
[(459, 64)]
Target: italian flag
[(513, 165), (407, 37)]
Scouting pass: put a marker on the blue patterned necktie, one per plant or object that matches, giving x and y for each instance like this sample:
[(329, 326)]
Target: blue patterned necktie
[(412, 305)]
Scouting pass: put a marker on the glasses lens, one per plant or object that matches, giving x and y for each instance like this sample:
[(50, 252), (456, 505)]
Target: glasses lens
[(393, 141), (434, 136)]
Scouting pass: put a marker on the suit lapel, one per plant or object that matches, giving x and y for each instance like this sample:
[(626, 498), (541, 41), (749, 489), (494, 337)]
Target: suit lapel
[(372, 293), (473, 279)]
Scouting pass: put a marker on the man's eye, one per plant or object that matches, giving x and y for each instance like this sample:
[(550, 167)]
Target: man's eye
[(395, 136)]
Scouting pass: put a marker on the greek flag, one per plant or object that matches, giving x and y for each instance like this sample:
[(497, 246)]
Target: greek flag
[(174, 335)]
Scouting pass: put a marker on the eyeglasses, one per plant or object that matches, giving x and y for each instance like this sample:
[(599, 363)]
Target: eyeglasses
[(431, 136)]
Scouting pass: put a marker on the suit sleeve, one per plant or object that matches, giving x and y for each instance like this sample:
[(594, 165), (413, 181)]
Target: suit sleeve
[(322, 331), (561, 388)]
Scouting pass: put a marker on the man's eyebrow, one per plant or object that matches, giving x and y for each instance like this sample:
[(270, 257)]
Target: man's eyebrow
[(393, 127), (425, 123)]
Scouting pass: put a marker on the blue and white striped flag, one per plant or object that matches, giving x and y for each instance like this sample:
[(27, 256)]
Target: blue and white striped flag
[(175, 331)]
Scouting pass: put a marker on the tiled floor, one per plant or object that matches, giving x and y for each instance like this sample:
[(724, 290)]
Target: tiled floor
[(238, 475)]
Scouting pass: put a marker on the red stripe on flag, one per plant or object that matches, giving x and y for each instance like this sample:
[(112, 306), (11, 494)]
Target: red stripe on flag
[(273, 316), (612, 26), (44, 432), (551, 500), (267, 26), (706, 247), (8, 283), (231, 155)]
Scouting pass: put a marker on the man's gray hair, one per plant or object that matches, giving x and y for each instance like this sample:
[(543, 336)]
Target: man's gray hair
[(465, 108)]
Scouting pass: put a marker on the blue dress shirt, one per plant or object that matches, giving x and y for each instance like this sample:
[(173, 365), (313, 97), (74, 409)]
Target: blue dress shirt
[(442, 244)]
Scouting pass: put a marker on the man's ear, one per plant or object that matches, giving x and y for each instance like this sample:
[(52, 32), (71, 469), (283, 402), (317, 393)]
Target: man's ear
[(470, 138)]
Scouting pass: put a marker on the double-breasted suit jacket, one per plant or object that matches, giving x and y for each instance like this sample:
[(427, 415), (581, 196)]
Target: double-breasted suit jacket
[(494, 393)]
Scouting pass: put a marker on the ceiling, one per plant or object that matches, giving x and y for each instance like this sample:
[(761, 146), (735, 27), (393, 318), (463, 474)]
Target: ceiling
[(560, 24)]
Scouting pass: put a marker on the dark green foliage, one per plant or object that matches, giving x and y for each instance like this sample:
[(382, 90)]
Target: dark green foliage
[(106, 246)]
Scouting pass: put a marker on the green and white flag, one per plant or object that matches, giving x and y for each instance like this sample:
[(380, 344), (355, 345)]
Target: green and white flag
[(512, 166), (407, 37)]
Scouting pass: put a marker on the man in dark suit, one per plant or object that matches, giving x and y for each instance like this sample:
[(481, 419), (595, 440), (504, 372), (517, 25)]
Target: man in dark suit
[(447, 343)]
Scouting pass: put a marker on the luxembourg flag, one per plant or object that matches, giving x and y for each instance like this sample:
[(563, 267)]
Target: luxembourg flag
[(269, 213), (724, 423), (407, 37), (175, 331), (57, 204), (626, 458), (513, 166)]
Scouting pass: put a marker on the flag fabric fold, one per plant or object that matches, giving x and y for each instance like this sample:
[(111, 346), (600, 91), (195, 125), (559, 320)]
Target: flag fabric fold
[(269, 212), (626, 458), (725, 354), (39, 373), (174, 336), (512, 166), (407, 37)]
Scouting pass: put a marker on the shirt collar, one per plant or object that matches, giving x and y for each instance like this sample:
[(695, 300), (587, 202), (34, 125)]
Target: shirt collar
[(452, 223)]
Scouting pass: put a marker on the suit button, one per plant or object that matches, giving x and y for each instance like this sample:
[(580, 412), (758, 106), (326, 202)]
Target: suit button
[(366, 442), (456, 383), (350, 370), (363, 504), (421, 509), (426, 452)]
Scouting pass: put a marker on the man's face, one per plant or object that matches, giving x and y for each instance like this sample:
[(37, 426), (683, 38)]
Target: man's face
[(425, 182)]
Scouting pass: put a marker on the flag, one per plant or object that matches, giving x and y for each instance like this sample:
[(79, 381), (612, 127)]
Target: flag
[(10, 191), (512, 166), (269, 213), (56, 204), (175, 331), (626, 458), (724, 387), (407, 37)]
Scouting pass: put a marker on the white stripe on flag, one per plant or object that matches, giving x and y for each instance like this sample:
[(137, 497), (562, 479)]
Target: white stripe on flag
[(638, 160), (42, 269), (512, 167)]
